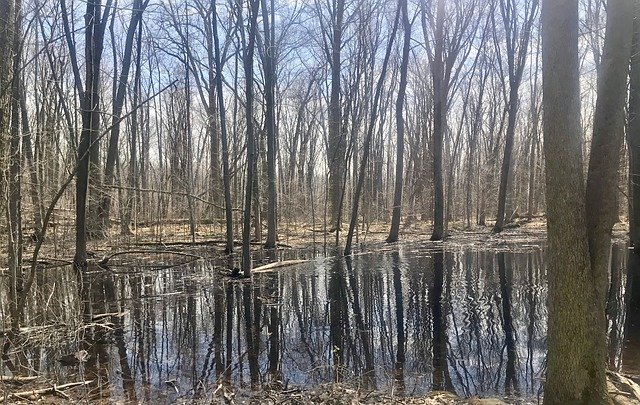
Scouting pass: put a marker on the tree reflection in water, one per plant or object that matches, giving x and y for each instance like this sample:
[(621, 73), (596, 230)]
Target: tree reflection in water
[(472, 322)]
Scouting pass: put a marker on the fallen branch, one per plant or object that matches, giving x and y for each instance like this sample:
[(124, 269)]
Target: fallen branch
[(17, 379), (106, 259), (276, 265), (44, 391), (204, 243)]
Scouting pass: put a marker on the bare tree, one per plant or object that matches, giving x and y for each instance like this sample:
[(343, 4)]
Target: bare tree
[(400, 126), (517, 45), (138, 8), (269, 61), (89, 94), (254, 6)]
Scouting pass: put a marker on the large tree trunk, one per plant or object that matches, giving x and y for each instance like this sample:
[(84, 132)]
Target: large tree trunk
[(606, 144), (576, 331), (633, 135)]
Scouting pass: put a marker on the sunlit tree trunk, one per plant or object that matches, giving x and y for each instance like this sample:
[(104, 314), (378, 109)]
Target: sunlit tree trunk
[(633, 135)]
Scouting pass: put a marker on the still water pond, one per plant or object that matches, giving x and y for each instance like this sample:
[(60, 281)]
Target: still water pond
[(407, 321)]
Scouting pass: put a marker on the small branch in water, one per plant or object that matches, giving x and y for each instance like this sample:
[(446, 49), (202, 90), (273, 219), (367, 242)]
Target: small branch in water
[(44, 391), (275, 265)]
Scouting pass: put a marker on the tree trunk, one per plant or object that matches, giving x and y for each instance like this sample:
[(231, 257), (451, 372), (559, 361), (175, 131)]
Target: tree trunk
[(606, 144), (517, 42), (337, 142), (270, 123), (439, 108), (226, 177), (576, 342), (248, 71), (633, 136), (118, 102), (367, 141), (89, 105), (404, 65), (15, 167)]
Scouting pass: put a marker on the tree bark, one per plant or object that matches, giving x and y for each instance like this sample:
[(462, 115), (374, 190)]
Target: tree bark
[(576, 342), (633, 135)]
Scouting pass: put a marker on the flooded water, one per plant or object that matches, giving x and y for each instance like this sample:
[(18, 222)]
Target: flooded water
[(406, 321)]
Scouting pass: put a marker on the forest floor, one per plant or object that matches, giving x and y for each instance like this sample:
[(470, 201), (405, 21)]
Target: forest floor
[(209, 239)]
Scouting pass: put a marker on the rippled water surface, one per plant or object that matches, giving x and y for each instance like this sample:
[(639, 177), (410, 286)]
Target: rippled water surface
[(409, 320)]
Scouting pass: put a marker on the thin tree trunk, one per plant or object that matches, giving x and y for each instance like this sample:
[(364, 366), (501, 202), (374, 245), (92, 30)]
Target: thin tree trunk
[(397, 193), (337, 142), (248, 71), (517, 47), (439, 108), (270, 124), (138, 8), (226, 177), (367, 142), (15, 167), (27, 149)]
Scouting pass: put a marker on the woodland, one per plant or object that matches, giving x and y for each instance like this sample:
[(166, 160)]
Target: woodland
[(239, 129)]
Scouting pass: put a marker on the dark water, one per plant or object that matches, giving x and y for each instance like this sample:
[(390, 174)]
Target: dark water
[(406, 321)]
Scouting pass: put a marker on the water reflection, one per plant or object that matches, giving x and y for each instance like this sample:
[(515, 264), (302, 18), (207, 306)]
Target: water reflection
[(471, 322)]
